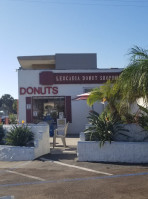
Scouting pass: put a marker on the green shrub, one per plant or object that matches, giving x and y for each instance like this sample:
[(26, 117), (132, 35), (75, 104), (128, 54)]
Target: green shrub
[(102, 128), (19, 136), (128, 118), (2, 134), (12, 118)]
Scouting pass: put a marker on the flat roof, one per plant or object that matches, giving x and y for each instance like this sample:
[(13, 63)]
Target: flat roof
[(36, 57)]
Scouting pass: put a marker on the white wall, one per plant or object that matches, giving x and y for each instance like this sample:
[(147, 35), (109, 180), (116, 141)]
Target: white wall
[(128, 152), (134, 107)]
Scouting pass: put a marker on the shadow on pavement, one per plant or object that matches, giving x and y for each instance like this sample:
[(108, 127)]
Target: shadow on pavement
[(57, 157)]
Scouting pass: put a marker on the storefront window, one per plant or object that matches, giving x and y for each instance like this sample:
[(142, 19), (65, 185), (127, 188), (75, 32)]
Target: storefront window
[(47, 108)]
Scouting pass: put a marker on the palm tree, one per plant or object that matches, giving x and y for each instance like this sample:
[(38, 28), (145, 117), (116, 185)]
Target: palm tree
[(134, 79), (106, 92), (131, 84)]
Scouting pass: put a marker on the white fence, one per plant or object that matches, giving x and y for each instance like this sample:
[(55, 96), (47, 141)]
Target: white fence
[(41, 145)]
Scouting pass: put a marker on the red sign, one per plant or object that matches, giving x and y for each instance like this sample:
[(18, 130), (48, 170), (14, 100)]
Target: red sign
[(50, 78), (39, 90)]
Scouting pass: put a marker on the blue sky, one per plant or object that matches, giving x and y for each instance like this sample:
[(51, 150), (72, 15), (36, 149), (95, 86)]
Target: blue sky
[(43, 27)]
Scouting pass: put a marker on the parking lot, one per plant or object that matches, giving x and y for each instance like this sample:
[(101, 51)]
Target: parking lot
[(60, 175)]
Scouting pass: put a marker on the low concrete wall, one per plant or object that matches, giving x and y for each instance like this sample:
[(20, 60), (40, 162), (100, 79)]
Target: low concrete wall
[(16, 153), (7, 197), (41, 145), (128, 152)]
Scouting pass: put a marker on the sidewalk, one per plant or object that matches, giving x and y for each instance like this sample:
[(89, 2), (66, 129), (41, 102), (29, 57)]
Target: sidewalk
[(71, 143), (60, 153)]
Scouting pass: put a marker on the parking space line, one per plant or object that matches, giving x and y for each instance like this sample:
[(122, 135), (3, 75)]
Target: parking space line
[(21, 164), (76, 167), (75, 179), (25, 175)]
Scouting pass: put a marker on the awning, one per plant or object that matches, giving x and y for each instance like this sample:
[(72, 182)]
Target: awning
[(83, 96)]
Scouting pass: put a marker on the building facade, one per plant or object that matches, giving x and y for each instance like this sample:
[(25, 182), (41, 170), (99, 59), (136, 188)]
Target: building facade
[(48, 86)]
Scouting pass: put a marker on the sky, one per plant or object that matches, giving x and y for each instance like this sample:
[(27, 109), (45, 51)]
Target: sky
[(109, 28)]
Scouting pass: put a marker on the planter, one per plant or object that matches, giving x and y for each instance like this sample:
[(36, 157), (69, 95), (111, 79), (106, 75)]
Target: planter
[(17, 153), (125, 152)]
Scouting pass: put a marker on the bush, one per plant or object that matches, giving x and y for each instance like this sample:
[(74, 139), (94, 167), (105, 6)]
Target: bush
[(19, 136), (12, 118), (2, 134), (103, 128)]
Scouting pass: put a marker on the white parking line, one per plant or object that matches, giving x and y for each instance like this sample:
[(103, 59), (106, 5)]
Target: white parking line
[(77, 167), (21, 164), (13, 165), (25, 175)]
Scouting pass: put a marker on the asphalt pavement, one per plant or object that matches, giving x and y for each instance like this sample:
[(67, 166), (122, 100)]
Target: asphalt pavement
[(59, 175)]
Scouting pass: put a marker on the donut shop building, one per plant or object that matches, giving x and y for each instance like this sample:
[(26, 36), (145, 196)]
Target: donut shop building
[(48, 86)]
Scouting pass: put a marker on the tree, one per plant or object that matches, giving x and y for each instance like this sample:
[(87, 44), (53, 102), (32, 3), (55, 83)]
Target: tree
[(108, 92), (134, 79), (0, 102), (14, 106), (131, 84), (7, 102)]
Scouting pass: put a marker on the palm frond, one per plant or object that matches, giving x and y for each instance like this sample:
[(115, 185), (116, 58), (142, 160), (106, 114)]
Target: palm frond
[(138, 54), (95, 96)]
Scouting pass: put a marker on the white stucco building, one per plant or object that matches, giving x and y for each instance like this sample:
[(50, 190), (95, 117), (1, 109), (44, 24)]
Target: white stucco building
[(48, 85)]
